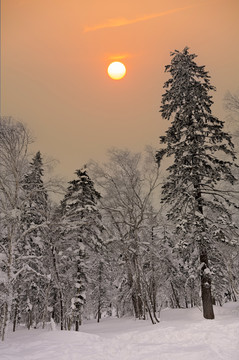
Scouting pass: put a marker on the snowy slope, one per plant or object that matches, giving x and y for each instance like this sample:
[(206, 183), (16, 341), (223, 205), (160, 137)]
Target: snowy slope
[(182, 334)]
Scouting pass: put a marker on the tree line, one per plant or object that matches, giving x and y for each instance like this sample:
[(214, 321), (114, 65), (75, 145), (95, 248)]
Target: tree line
[(127, 238)]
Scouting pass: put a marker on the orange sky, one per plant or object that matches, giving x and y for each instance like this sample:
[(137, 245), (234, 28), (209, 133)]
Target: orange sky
[(55, 55)]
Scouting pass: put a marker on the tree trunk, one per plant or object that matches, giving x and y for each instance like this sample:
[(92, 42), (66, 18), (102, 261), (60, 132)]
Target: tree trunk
[(9, 289), (77, 326), (78, 320), (15, 316), (4, 320), (206, 285), (53, 251), (150, 314), (29, 319), (99, 311), (152, 290), (205, 272), (100, 291), (61, 310), (138, 305), (175, 296)]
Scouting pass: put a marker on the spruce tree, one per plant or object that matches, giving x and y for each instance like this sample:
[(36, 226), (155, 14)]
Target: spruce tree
[(35, 203), (198, 145), (33, 247), (82, 227)]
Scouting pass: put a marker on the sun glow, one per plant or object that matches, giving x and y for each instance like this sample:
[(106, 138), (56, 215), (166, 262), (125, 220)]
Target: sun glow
[(116, 70)]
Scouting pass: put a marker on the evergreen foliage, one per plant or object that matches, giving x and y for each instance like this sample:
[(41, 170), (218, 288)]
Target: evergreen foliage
[(81, 230), (33, 246), (118, 253), (35, 195), (198, 144)]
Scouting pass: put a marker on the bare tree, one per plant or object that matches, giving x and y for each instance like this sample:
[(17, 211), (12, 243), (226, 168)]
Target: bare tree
[(231, 101), (127, 184), (14, 141)]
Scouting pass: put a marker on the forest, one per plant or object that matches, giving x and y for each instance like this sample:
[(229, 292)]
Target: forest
[(129, 237)]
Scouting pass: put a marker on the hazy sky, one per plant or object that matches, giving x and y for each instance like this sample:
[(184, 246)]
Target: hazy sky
[(55, 55)]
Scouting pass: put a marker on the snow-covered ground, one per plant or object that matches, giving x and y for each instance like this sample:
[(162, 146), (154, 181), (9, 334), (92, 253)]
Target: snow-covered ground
[(182, 334)]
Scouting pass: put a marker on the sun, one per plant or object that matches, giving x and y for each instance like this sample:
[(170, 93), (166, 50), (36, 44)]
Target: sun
[(116, 70)]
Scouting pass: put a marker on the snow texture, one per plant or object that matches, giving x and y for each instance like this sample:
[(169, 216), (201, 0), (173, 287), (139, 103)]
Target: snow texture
[(182, 334)]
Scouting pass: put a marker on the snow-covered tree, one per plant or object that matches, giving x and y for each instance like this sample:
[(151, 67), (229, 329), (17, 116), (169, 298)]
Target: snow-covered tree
[(81, 230), (127, 183), (33, 248), (198, 144), (35, 202), (231, 102), (14, 141), (99, 294)]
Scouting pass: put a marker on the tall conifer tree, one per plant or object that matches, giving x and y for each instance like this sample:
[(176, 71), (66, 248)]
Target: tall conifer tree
[(199, 145), (82, 227), (35, 192), (33, 245)]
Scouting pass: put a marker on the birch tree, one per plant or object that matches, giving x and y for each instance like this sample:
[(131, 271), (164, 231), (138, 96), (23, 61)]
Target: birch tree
[(14, 141), (127, 183)]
